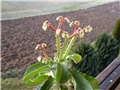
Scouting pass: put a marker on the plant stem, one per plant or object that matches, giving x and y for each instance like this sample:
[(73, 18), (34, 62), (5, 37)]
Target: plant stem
[(69, 47), (65, 44), (58, 47), (44, 52)]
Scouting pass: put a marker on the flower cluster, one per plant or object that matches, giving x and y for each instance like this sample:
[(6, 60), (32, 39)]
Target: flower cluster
[(77, 31)]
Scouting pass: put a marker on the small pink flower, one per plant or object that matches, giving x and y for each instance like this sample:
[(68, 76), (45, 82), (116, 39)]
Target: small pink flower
[(39, 58), (77, 30), (42, 47), (44, 44), (81, 33), (37, 47), (67, 20), (75, 24), (88, 28), (42, 59), (46, 24), (65, 35), (71, 24), (58, 31), (61, 20)]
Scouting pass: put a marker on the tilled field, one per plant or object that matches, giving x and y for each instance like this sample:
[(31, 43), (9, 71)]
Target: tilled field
[(19, 37)]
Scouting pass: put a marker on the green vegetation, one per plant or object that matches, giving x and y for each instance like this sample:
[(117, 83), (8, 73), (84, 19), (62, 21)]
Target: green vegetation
[(12, 74), (69, 7), (89, 63), (75, 6), (97, 55), (11, 80), (116, 31), (107, 48), (14, 84)]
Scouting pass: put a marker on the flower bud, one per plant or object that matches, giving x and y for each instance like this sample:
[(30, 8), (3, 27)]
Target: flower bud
[(85, 29), (77, 23), (44, 60), (37, 47), (88, 29), (81, 33), (71, 24), (65, 34), (39, 58), (44, 44), (45, 25), (66, 19), (59, 17), (58, 31), (78, 30)]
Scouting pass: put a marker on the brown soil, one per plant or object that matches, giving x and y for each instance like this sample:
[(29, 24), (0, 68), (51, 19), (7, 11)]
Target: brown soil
[(20, 36)]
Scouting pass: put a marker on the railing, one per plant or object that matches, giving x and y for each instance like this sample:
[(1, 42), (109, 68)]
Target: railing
[(109, 78)]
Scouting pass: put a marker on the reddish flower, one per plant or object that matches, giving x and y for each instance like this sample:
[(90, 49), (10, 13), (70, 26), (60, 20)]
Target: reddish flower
[(65, 35), (75, 24), (88, 28), (77, 31), (42, 47), (46, 24)]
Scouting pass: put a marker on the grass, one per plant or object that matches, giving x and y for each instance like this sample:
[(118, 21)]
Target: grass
[(14, 84), (12, 80), (69, 7), (75, 6)]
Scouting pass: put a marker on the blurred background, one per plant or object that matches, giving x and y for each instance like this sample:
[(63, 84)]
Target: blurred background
[(12, 9)]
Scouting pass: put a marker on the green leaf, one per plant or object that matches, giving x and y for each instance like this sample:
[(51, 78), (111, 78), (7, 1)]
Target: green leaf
[(48, 84), (92, 81), (61, 72), (80, 83), (38, 80), (75, 57), (35, 69), (30, 83)]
